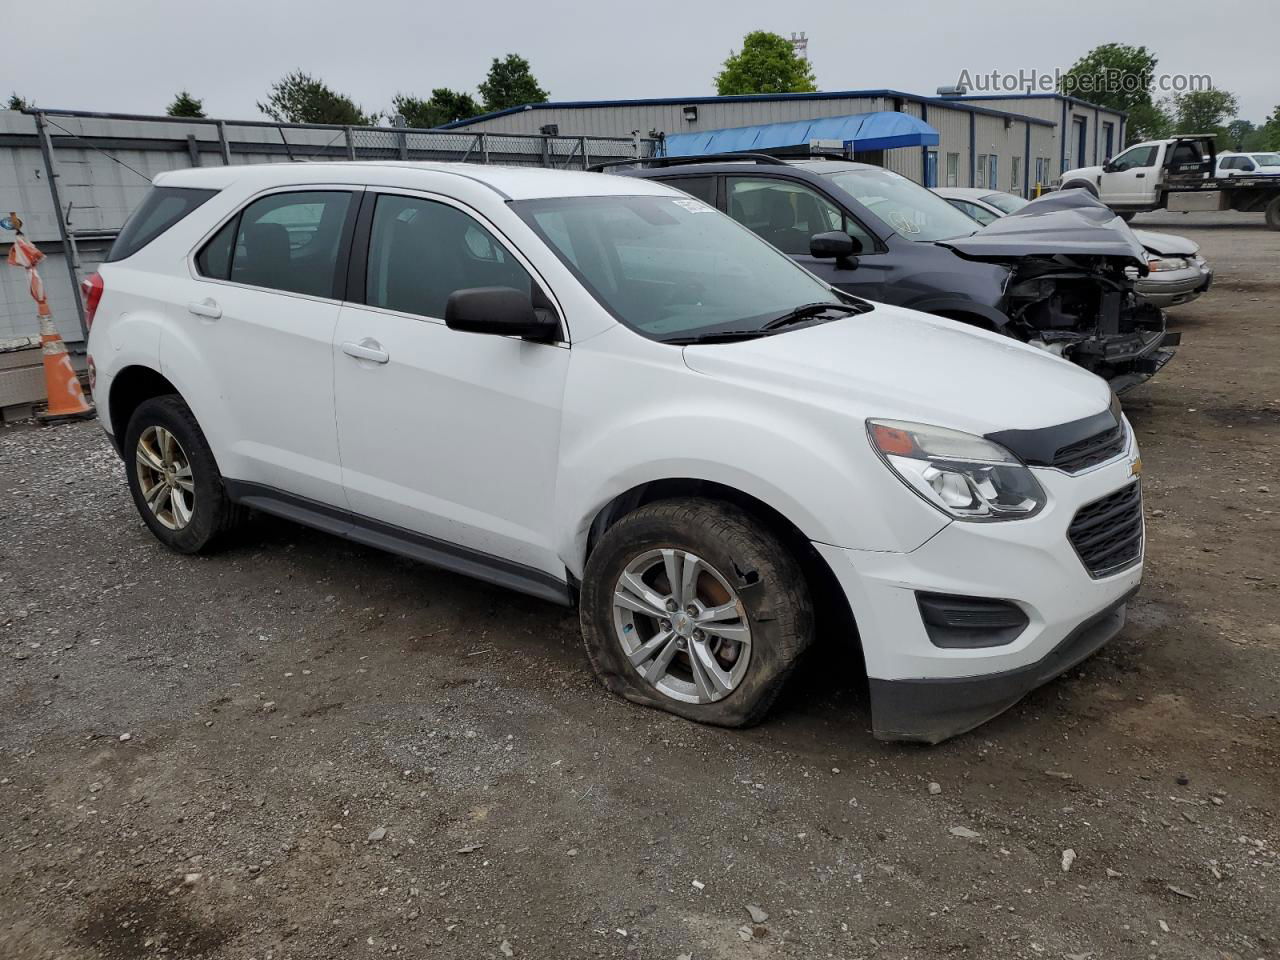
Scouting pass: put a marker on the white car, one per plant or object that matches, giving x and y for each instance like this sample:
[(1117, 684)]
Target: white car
[(599, 390), (1178, 273), (1266, 164)]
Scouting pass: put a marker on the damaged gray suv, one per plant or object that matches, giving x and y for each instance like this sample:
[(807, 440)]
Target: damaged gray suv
[(1059, 276)]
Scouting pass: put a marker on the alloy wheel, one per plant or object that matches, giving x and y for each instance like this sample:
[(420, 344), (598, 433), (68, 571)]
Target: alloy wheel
[(682, 626), (165, 478)]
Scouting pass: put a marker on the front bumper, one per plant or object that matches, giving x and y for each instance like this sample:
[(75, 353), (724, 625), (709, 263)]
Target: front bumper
[(1169, 289), (923, 692)]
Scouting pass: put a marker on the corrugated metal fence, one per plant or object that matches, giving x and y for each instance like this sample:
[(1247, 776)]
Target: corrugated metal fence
[(74, 177)]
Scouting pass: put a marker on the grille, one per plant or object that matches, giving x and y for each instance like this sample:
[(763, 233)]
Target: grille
[(1107, 533), (1090, 451)]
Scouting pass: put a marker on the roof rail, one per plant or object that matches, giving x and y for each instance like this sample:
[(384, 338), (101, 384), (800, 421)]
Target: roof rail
[(703, 158)]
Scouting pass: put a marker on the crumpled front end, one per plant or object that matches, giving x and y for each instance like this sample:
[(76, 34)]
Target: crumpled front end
[(1071, 290), (1087, 310)]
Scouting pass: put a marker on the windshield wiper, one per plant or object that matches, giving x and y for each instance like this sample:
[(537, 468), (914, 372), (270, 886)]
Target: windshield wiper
[(718, 336), (808, 311)]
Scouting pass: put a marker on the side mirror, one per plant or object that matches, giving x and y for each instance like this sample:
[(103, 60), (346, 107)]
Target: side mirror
[(1108, 167), (502, 311), (836, 245)]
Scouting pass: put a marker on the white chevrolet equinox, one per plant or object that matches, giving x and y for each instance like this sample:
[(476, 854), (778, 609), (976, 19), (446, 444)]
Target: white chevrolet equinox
[(601, 391)]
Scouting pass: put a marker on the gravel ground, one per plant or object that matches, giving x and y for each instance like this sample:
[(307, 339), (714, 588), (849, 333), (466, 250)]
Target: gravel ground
[(303, 749)]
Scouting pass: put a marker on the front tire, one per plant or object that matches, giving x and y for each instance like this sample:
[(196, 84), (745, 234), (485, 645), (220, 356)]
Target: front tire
[(1273, 214), (174, 478), (693, 607)]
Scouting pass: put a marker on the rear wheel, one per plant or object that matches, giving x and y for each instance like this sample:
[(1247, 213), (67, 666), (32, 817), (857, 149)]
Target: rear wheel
[(174, 479), (693, 607), (1273, 214)]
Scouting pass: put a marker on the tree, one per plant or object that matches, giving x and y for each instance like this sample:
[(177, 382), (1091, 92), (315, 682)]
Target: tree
[(1202, 111), (1118, 76), (18, 103), (185, 105), (1147, 121), (445, 106), (511, 83), (767, 64), (1239, 132), (299, 98)]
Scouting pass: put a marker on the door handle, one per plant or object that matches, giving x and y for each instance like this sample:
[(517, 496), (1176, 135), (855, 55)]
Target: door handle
[(1138, 176), (366, 349), (208, 307)]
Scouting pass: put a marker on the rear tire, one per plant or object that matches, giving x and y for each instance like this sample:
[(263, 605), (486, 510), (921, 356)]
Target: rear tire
[(744, 583), (174, 478), (1273, 214)]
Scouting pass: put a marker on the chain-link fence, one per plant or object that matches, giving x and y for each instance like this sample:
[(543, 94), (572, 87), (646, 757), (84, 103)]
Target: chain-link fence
[(74, 176)]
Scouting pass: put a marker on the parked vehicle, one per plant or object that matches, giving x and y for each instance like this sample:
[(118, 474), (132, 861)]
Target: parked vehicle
[(1177, 273), (599, 390), (1248, 164), (1175, 174), (875, 234)]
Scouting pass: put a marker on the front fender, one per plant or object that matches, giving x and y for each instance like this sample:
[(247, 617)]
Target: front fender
[(952, 306)]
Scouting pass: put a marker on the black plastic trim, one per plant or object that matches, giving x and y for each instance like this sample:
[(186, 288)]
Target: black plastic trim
[(1037, 448), (930, 710), (970, 623), (406, 543)]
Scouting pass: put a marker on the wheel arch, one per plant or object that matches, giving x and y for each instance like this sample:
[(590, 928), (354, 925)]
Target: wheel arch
[(131, 387), (1080, 185), (834, 615)]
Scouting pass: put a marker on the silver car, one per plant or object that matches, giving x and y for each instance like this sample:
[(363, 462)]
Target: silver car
[(1178, 273)]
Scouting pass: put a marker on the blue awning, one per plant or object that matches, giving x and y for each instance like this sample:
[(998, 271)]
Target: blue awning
[(883, 130)]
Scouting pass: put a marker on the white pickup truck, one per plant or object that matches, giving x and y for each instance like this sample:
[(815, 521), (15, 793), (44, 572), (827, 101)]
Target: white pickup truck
[(1175, 174)]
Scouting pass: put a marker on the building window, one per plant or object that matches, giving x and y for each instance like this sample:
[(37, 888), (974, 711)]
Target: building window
[(931, 168), (982, 170), (953, 169), (993, 170), (1015, 174)]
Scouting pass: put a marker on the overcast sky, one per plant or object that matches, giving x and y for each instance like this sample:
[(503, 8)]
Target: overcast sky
[(133, 55)]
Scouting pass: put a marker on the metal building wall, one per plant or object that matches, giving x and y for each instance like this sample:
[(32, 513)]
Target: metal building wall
[(953, 137)]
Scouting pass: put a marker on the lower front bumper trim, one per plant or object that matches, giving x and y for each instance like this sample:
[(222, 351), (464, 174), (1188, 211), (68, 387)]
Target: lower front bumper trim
[(931, 710)]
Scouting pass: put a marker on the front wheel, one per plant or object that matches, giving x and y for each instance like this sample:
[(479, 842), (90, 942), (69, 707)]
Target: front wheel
[(174, 478), (693, 607)]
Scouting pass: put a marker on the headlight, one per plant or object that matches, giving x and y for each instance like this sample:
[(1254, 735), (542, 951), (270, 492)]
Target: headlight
[(1157, 264), (964, 476)]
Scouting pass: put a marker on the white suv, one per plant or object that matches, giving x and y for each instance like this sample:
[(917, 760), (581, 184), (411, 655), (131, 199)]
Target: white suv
[(599, 390)]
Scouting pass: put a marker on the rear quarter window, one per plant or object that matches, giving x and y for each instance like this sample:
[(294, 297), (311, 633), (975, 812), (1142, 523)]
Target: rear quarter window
[(162, 208)]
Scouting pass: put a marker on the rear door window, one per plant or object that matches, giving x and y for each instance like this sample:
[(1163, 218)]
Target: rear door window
[(703, 188), (162, 208), (286, 241)]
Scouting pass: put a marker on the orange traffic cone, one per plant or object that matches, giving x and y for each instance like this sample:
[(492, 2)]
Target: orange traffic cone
[(66, 397)]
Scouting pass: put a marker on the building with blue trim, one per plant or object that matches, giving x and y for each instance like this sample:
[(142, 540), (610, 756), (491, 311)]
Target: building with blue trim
[(1007, 143)]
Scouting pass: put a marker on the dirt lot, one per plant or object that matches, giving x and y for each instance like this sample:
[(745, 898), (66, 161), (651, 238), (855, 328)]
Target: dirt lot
[(303, 749)]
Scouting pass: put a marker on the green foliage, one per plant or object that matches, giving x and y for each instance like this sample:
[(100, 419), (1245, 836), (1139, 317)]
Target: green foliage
[(185, 105), (511, 83), (767, 63), (1114, 75), (445, 106), (1203, 111), (299, 98), (18, 103), (1147, 121)]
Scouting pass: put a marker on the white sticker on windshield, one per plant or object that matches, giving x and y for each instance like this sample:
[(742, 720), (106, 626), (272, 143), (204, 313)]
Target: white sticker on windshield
[(693, 206)]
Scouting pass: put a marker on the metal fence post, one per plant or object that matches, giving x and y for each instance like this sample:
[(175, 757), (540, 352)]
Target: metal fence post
[(351, 143), (69, 251), (403, 142), (484, 146), (586, 162), (193, 149), (223, 145)]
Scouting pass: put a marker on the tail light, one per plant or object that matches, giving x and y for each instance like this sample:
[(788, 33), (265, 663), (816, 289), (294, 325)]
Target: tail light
[(91, 293)]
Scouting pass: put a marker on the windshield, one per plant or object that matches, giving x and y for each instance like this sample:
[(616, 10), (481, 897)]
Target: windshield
[(1267, 159), (1005, 202), (670, 267), (913, 211)]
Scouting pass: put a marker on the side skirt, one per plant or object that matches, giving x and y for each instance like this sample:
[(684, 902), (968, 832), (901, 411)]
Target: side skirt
[(406, 543)]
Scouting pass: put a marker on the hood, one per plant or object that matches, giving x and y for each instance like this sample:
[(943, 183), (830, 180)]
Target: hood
[(1068, 222), (1166, 244), (894, 362)]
